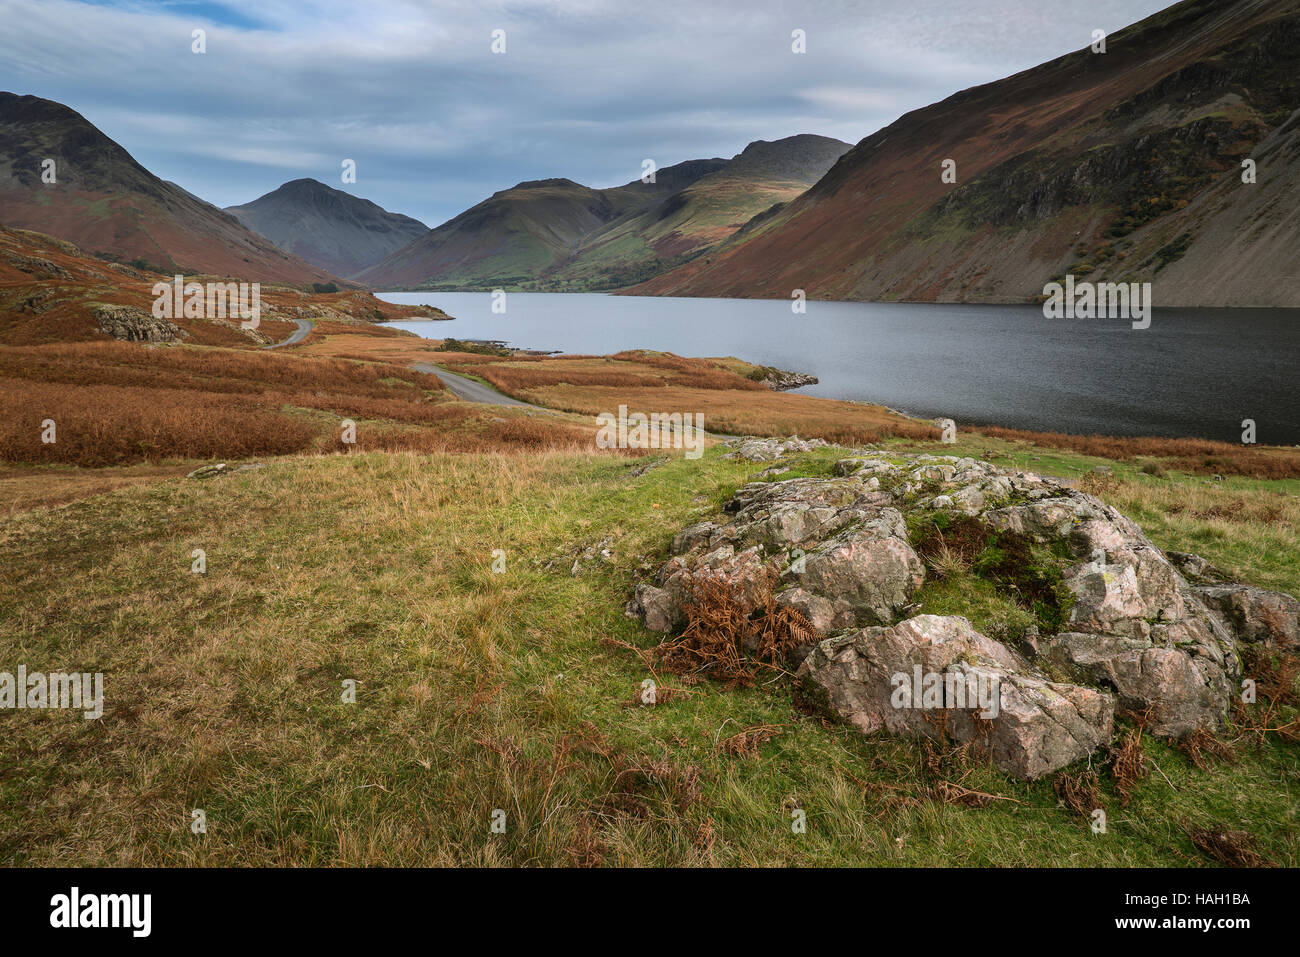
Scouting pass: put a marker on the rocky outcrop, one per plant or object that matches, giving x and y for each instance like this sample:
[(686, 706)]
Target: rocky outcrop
[(1128, 632), (36, 266), (1136, 624), (782, 380), (1256, 615), (766, 450), (1033, 725), (135, 325)]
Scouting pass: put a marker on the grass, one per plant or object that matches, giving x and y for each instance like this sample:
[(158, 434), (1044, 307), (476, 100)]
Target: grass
[(480, 691), (719, 389), (517, 691), (117, 403)]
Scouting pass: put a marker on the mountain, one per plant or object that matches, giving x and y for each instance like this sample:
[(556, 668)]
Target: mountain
[(106, 203), (1117, 166), (51, 291), (514, 235), (326, 226), (700, 215), (558, 234)]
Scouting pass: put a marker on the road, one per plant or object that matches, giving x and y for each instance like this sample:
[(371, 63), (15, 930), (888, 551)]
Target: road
[(471, 390), (304, 326)]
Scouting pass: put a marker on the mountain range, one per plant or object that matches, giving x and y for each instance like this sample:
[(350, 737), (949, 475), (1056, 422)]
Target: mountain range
[(555, 234), (1125, 165), (106, 203), (1171, 156)]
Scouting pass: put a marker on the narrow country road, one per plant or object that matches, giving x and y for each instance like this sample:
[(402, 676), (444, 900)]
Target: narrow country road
[(472, 391), (304, 326)]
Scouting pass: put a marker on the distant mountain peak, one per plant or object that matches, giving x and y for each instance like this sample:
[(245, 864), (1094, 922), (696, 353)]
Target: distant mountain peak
[(330, 227), (548, 183)]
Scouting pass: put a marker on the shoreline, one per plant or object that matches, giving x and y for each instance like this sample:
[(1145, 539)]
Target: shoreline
[(1051, 377)]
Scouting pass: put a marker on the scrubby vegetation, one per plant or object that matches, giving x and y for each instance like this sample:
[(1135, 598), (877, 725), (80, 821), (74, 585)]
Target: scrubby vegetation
[(472, 348), (523, 690), (118, 403)]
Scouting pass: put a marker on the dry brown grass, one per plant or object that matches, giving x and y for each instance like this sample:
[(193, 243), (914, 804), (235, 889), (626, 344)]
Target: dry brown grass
[(353, 342), (1229, 848), (1128, 764), (1080, 793), (1205, 750), (641, 370), (110, 425), (116, 403), (212, 370), (515, 434), (746, 743), (734, 634), (656, 382), (745, 413), (27, 487), (1199, 456)]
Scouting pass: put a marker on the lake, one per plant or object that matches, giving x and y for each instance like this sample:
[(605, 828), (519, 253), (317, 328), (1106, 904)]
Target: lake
[(1194, 372)]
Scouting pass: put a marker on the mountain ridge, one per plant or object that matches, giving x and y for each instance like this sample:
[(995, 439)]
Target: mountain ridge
[(1096, 164), (106, 202), (559, 234)]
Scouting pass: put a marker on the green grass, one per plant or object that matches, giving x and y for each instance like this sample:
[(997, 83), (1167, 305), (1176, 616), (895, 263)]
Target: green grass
[(478, 691)]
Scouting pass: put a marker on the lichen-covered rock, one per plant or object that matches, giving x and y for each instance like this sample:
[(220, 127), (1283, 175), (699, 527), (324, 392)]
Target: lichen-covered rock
[(1035, 726), (135, 325), (1175, 692), (1194, 568), (765, 450), (870, 569), (654, 606), (840, 549), (36, 266), (1159, 646), (1256, 614), (1129, 630)]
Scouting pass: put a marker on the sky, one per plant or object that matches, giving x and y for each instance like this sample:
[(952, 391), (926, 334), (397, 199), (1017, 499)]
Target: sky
[(435, 121)]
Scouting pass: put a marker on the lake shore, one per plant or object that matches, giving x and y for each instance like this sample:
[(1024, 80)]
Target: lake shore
[(1192, 374)]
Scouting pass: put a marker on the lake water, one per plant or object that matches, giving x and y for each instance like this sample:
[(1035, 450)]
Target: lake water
[(1194, 372)]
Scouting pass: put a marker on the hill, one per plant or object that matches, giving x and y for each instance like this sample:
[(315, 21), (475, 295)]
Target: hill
[(52, 292), (109, 205), (1118, 166), (328, 227), (556, 234)]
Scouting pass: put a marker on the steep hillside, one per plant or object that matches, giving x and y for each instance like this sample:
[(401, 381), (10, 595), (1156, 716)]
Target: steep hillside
[(508, 238), (1123, 165), (557, 234), (328, 227), (702, 214), (51, 291), (107, 203)]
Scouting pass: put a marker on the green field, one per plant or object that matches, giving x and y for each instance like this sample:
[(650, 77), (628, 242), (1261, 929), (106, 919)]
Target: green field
[(515, 691)]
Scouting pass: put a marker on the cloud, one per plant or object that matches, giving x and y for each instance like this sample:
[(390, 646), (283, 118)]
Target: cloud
[(437, 122)]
